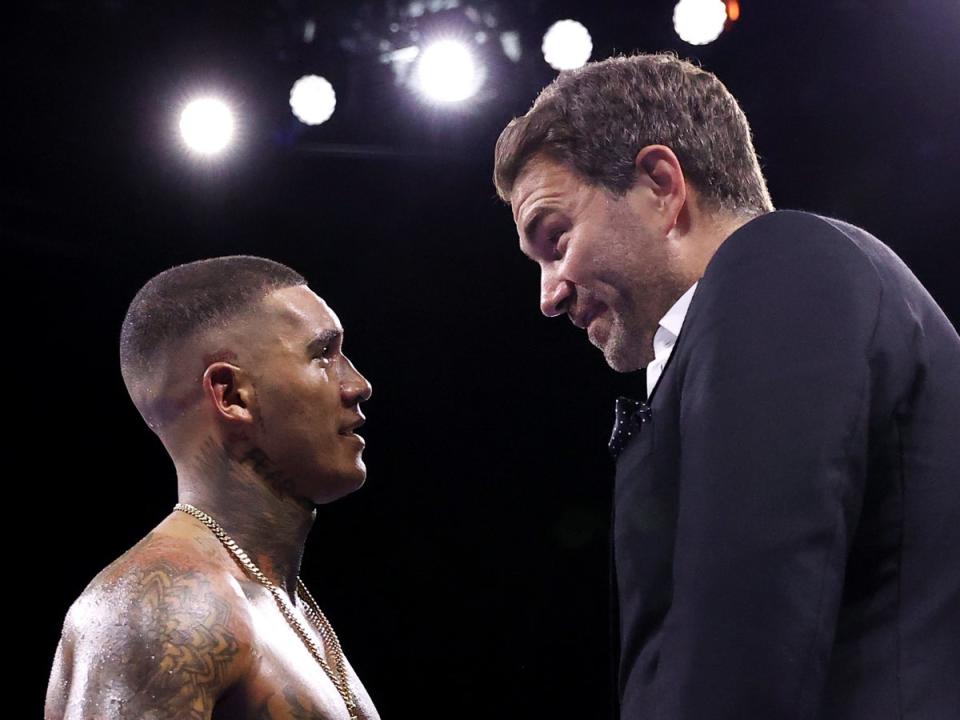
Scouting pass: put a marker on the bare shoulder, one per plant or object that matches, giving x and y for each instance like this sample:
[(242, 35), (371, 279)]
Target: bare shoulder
[(163, 631)]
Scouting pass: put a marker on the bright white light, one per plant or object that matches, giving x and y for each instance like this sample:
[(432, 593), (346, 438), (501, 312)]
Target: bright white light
[(312, 99), (699, 22), (567, 45), (206, 125), (510, 42), (446, 72)]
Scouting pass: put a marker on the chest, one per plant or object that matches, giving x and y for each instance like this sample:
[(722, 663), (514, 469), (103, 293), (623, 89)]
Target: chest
[(285, 680)]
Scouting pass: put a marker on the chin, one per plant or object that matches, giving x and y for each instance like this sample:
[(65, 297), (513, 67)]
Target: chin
[(354, 479), (359, 480), (622, 365), (341, 485), (622, 357)]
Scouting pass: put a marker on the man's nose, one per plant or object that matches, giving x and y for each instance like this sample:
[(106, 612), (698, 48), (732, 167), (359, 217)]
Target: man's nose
[(354, 386), (555, 294)]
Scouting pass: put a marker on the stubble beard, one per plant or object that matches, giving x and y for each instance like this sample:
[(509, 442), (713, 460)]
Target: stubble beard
[(629, 342), (627, 347)]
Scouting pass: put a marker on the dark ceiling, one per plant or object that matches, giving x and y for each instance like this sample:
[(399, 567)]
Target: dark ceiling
[(469, 576)]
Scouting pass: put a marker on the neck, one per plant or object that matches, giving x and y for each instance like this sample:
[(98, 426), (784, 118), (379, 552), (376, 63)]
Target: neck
[(246, 496), (701, 234)]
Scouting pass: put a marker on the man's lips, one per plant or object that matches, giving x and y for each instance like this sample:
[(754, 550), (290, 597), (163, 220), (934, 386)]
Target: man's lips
[(351, 427), (583, 320), (597, 332), (348, 431)]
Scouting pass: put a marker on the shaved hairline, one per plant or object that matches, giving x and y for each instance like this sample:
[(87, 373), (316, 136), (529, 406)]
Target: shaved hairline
[(162, 403)]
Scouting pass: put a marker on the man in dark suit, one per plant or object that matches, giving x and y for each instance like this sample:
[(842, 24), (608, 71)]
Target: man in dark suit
[(787, 500)]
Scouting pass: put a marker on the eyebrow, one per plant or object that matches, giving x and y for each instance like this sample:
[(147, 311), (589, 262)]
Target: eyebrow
[(533, 224), (322, 339)]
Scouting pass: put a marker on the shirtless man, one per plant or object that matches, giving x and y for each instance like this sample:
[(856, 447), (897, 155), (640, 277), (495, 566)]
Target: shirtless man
[(238, 367)]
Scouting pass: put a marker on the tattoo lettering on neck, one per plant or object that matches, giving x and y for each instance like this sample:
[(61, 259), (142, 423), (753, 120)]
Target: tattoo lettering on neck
[(280, 484), (214, 462), (250, 498)]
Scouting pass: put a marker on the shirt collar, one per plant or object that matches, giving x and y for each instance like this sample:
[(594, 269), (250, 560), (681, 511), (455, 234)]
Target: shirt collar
[(671, 323)]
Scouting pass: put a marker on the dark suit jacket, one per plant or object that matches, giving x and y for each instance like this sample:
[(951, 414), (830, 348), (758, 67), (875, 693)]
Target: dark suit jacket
[(787, 524)]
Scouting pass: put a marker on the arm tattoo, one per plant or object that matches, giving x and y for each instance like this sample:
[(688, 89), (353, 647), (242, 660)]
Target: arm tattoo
[(189, 638), (290, 706), (174, 648)]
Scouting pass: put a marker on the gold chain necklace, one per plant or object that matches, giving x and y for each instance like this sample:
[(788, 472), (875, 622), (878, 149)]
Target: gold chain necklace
[(337, 673)]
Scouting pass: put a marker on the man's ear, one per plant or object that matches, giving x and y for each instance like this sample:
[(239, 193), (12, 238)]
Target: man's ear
[(227, 388), (658, 169)]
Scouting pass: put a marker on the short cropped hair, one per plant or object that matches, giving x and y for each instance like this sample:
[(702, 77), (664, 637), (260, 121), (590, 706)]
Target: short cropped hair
[(188, 298), (597, 118)]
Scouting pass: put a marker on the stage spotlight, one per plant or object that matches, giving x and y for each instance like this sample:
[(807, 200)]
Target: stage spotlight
[(699, 22), (733, 10), (447, 72), (567, 45), (312, 99), (206, 125)]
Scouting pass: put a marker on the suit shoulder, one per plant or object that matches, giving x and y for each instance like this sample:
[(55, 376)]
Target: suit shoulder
[(798, 241), (783, 280), (790, 254)]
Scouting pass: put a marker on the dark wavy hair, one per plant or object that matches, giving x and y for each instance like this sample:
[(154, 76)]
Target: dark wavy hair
[(596, 118)]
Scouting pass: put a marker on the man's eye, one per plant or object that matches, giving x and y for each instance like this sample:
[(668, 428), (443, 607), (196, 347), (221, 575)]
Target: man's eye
[(557, 244)]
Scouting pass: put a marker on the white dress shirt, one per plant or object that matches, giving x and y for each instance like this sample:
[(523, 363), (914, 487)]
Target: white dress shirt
[(666, 336)]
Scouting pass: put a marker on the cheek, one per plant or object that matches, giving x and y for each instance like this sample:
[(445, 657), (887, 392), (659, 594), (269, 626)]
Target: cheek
[(601, 275), (285, 415), (579, 265)]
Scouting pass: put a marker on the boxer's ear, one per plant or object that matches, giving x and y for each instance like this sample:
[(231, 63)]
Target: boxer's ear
[(228, 390)]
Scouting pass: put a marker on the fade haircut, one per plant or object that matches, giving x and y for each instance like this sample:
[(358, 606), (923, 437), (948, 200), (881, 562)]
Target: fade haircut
[(597, 118), (186, 299)]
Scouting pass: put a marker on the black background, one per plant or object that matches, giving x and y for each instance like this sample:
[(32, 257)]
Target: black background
[(469, 577)]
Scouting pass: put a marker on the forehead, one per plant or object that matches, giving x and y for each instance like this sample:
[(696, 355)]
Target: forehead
[(300, 310), (543, 182)]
